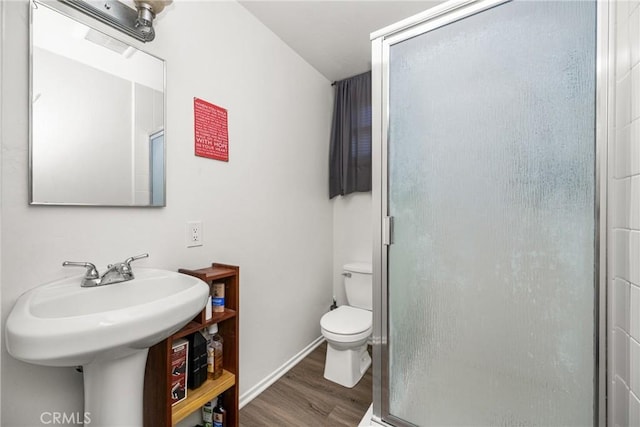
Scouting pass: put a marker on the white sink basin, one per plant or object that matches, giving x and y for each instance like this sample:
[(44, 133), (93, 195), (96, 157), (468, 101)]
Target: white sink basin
[(63, 324), (106, 329)]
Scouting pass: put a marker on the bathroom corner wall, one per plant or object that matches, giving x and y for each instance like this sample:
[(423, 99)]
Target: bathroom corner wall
[(352, 236), (265, 210), (624, 199)]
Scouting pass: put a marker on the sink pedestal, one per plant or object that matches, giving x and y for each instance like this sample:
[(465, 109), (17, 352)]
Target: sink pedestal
[(113, 390)]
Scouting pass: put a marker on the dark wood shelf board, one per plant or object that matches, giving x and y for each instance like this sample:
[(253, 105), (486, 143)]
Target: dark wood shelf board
[(219, 317), (192, 327), (210, 273)]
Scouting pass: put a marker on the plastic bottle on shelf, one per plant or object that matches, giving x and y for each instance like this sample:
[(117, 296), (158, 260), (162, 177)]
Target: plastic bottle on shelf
[(217, 300), (216, 346), (219, 414), (210, 354), (207, 415), (208, 311)]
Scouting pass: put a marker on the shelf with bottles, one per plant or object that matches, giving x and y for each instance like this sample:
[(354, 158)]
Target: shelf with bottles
[(157, 403)]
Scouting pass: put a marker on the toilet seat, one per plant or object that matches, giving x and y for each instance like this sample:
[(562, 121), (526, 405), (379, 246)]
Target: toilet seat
[(347, 324), (346, 339)]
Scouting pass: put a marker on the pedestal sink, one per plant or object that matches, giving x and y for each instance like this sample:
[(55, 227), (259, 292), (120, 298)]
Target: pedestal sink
[(107, 330)]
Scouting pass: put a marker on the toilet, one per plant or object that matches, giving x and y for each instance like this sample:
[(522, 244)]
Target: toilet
[(348, 328)]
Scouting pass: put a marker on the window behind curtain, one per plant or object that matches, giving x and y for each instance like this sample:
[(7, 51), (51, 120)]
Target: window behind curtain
[(350, 152)]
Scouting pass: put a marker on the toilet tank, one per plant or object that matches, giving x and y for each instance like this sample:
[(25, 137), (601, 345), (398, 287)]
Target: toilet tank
[(358, 285)]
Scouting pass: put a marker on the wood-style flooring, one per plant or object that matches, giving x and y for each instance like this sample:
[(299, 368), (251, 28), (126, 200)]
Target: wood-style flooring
[(303, 398)]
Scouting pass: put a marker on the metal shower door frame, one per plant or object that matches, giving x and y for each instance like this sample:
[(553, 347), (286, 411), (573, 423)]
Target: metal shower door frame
[(431, 19)]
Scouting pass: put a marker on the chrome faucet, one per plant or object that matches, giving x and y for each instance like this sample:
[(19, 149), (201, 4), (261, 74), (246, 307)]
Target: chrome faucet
[(119, 272)]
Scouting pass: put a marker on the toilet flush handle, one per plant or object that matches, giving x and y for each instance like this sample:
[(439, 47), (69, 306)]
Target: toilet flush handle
[(346, 274)]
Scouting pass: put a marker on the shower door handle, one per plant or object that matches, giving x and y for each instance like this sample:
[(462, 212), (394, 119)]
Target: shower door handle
[(387, 230)]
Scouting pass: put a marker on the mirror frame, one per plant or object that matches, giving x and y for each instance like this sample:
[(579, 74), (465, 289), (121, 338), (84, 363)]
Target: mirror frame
[(78, 16)]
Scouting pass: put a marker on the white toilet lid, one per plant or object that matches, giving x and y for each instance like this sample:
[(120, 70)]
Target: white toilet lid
[(347, 320)]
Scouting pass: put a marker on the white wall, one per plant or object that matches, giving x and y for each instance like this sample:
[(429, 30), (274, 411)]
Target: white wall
[(266, 210), (624, 196), (352, 236)]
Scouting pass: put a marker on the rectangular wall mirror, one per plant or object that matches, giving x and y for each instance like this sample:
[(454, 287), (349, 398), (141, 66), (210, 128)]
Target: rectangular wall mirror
[(97, 116)]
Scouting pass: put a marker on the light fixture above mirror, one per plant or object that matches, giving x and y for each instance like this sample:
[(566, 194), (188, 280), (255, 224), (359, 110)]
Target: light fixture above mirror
[(135, 23)]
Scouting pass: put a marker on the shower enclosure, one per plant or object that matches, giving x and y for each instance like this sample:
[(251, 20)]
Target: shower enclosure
[(489, 140)]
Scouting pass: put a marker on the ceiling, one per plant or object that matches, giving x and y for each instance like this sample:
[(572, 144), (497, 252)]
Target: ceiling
[(332, 36)]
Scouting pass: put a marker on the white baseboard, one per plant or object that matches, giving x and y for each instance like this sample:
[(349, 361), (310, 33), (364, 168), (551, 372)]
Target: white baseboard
[(254, 391)]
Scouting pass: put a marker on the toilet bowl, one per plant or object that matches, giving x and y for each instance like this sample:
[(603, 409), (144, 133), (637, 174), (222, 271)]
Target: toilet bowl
[(348, 328)]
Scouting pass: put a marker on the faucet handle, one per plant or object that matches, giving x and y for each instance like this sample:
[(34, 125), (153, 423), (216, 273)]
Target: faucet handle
[(92, 271), (91, 277), (133, 258), (125, 267)]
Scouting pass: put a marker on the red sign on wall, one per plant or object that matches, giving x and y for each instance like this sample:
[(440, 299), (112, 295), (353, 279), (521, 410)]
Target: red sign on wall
[(211, 130)]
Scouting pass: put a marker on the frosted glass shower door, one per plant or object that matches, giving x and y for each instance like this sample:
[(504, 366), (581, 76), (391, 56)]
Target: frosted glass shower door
[(491, 185)]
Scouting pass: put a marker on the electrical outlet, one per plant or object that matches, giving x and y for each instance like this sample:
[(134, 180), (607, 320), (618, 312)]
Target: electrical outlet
[(194, 234)]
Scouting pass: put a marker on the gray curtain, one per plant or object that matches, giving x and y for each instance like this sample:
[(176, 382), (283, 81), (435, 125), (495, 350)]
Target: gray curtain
[(350, 152)]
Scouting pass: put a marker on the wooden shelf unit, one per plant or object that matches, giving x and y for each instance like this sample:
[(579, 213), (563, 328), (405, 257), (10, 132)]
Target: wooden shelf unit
[(157, 382)]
